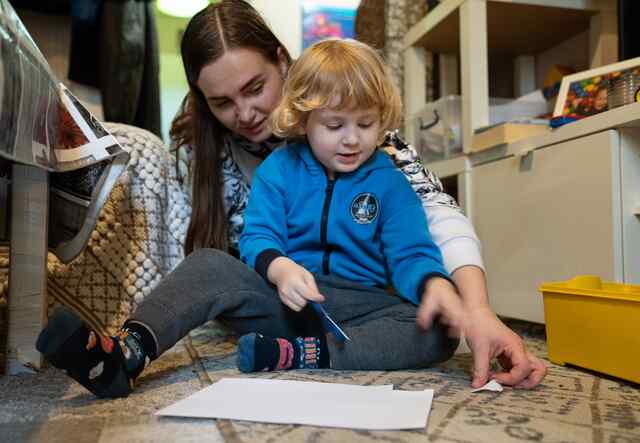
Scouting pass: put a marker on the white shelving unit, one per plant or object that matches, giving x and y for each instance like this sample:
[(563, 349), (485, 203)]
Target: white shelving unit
[(557, 206), (619, 118), (477, 29), (551, 206)]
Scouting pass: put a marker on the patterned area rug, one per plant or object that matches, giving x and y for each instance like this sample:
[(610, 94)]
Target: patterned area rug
[(571, 405)]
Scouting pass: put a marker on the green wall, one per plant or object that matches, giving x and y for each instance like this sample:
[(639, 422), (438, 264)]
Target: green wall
[(173, 85)]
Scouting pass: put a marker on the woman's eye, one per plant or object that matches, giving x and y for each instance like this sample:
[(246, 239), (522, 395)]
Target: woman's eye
[(257, 89), (221, 104)]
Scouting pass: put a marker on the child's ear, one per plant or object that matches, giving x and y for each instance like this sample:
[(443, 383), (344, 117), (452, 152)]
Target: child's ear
[(302, 124)]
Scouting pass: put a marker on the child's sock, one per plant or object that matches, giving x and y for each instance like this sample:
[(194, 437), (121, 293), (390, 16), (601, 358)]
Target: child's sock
[(259, 353), (106, 366)]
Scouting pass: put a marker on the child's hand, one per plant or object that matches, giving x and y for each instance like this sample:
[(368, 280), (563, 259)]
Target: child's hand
[(295, 284), (441, 299)]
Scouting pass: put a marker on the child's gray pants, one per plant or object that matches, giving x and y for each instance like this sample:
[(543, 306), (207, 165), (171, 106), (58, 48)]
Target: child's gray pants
[(210, 284)]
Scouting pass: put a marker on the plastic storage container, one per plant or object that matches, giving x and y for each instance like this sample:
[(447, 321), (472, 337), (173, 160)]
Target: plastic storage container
[(439, 124), (594, 325), (624, 89)]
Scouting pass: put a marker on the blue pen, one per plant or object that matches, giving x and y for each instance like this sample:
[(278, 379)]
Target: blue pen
[(329, 324)]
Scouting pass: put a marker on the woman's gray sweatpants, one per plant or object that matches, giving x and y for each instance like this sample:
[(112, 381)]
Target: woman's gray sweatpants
[(210, 284)]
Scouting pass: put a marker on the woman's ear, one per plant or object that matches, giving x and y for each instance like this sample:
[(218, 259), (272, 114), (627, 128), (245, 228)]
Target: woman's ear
[(283, 62)]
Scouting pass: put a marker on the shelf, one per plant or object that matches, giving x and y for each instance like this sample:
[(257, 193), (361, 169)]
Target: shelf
[(513, 26), (623, 117), (449, 167)]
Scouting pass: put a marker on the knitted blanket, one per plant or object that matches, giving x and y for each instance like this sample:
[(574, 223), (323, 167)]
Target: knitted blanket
[(138, 238)]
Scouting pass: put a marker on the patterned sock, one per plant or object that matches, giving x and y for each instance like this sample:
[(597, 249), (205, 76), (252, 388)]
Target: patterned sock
[(135, 357), (257, 352), (106, 366), (144, 336)]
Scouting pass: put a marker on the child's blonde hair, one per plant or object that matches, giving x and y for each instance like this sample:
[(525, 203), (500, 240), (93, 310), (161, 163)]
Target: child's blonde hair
[(347, 70)]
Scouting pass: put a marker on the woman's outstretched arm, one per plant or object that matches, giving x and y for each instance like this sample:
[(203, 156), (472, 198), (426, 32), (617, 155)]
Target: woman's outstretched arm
[(486, 335)]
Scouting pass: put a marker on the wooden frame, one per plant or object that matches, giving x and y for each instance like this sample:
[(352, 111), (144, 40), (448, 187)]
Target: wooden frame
[(584, 86)]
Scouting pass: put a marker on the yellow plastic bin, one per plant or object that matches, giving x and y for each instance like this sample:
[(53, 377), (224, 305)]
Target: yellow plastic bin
[(594, 325)]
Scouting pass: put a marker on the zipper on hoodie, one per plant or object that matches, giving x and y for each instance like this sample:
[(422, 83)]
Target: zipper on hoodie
[(323, 225)]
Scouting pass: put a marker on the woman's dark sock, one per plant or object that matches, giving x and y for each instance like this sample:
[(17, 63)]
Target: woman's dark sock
[(144, 336), (106, 366), (257, 352)]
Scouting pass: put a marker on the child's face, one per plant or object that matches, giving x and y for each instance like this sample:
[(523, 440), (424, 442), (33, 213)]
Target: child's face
[(600, 102), (342, 140)]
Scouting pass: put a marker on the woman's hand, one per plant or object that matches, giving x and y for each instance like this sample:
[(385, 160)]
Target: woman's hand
[(441, 299), (489, 338), (295, 284)]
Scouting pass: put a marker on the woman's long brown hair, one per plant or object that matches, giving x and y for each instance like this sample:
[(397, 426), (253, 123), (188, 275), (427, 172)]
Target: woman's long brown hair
[(228, 24)]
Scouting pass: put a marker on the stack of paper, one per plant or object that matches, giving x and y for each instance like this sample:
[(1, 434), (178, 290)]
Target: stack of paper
[(308, 403), (507, 132)]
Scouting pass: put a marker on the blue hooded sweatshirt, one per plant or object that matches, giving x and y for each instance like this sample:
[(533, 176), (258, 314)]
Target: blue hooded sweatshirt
[(367, 226)]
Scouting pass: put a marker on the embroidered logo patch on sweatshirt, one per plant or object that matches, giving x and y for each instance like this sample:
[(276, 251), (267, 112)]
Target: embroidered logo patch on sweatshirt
[(364, 208)]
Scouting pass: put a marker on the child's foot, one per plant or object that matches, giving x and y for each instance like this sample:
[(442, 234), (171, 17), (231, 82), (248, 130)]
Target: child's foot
[(259, 353), (106, 366)]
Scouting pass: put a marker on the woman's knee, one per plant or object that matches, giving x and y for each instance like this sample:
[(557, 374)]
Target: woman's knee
[(210, 259), (439, 346), (213, 263), (206, 254)]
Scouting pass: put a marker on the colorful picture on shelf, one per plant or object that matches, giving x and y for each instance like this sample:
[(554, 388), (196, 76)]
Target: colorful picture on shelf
[(587, 97), (597, 90), (322, 20)]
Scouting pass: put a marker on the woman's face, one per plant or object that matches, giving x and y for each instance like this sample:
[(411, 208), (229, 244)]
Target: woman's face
[(242, 88)]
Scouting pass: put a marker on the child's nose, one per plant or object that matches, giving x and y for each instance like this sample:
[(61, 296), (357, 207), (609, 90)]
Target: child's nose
[(350, 139)]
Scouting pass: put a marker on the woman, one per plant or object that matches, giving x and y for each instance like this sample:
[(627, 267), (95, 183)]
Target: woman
[(235, 67)]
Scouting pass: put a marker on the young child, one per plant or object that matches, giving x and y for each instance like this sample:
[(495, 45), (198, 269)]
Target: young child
[(333, 204)]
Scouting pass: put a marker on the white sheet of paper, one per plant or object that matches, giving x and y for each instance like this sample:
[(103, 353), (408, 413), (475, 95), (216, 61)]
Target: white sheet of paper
[(308, 403), (492, 385)]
